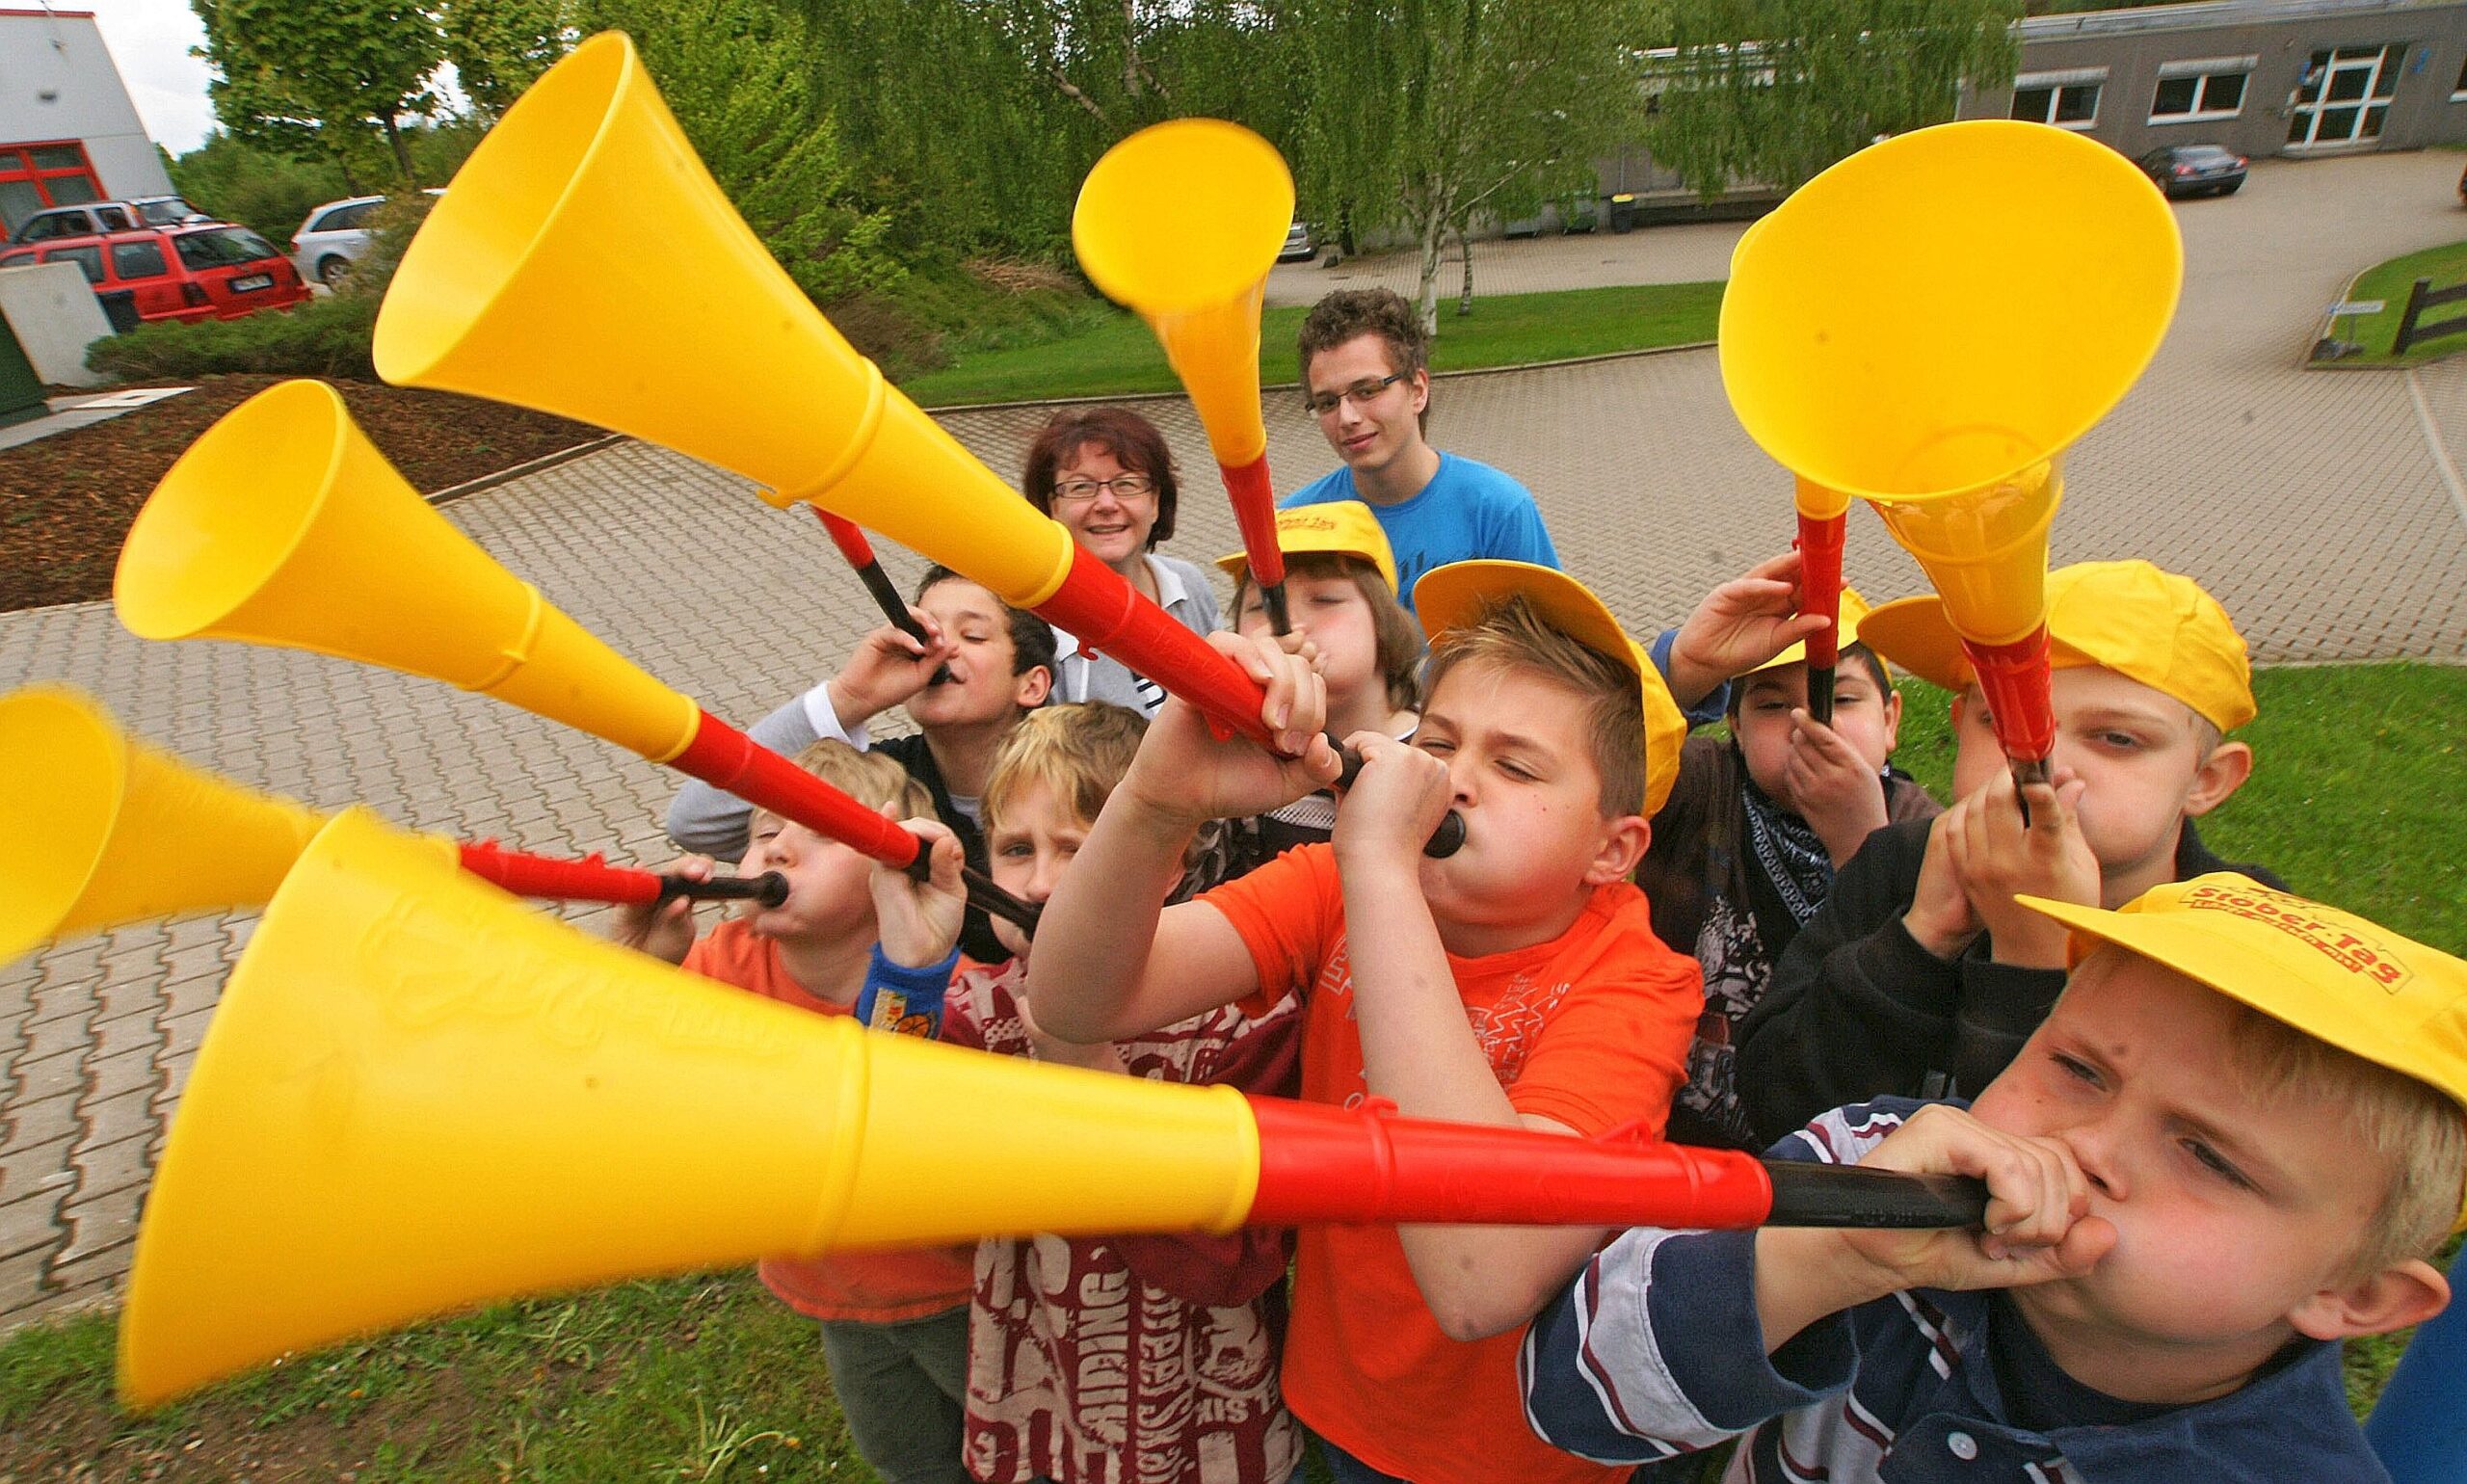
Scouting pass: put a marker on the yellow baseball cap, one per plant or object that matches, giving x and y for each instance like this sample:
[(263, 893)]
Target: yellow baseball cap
[(2331, 974), (1340, 527), (2145, 624), (1458, 595), (1852, 613)]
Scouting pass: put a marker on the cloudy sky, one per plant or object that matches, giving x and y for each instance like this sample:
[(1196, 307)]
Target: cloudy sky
[(150, 42)]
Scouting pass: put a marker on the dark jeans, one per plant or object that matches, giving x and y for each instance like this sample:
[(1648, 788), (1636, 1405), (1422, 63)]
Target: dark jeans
[(901, 1387)]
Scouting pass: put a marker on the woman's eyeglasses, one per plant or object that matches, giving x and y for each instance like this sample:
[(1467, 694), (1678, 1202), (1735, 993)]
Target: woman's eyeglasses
[(1123, 486)]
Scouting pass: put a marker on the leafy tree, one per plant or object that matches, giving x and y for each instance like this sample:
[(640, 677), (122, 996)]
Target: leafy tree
[(260, 188), (1438, 109), (1775, 90), (736, 75), (335, 77), (499, 47)]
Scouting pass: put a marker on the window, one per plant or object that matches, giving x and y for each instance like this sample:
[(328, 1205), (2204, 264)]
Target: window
[(2210, 88), (220, 246), (60, 224), (2343, 95), (17, 259), (2458, 89), (33, 177), (88, 257), (140, 259), (113, 219), (2068, 99)]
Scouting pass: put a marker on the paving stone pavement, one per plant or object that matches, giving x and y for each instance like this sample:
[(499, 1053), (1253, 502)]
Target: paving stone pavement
[(2322, 508)]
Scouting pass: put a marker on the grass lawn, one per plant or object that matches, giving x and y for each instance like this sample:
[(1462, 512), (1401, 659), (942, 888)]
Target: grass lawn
[(2389, 282), (1117, 353), (2354, 799)]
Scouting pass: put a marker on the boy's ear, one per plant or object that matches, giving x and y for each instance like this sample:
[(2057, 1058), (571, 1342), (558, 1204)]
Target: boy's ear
[(1031, 689), (1623, 846), (2399, 1295), (2218, 777), (1892, 720)]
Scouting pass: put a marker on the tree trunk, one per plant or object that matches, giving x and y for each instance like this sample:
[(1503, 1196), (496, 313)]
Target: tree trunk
[(1434, 236), (1465, 294), (402, 152)]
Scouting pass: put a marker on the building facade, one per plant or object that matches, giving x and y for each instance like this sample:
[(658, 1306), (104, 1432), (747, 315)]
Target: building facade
[(68, 132), (2260, 77)]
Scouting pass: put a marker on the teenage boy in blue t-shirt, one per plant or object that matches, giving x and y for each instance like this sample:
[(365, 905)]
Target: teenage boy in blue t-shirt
[(1366, 376)]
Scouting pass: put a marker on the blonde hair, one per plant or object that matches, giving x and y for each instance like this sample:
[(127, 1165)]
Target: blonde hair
[(871, 779), (2417, 1133), (1081, 752), (1512, 634), (1397, 637)]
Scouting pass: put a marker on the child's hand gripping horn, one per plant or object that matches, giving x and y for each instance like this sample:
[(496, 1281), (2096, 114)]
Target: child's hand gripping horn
[(486, 303), (284, 525), (1182, 222)]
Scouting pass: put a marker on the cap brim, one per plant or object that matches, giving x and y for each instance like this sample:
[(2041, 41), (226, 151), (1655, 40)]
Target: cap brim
[(1454, 595), (1912, 634), (2202, 948)]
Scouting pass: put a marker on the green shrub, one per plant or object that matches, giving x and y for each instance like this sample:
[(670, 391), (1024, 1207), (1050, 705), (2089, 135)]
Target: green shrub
[(325, 337)]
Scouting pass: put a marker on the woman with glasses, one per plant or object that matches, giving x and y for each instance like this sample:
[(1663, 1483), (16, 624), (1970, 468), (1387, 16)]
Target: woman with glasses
[(1105, 474)]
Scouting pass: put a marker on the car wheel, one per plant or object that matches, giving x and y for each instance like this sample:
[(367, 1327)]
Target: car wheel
[(331, 271)]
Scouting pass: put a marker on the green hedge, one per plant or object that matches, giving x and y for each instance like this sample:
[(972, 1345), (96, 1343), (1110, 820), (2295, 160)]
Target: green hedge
[(326, 336)]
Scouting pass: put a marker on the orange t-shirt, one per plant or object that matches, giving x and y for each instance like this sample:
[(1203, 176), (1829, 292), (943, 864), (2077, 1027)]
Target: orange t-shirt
[(872, 1287), (1591, 1029)]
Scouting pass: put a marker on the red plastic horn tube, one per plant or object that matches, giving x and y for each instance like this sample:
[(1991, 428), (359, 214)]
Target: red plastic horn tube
[(1820, 542), (2014, 678), (1109, 614), (592, 879), (850, 538), (1254, 496)]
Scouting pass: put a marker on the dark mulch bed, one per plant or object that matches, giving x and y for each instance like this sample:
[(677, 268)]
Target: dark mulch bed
[(66, 500)]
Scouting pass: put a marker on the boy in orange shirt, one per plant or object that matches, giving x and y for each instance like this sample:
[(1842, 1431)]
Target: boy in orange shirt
[(1517, 982), (894, 1324)]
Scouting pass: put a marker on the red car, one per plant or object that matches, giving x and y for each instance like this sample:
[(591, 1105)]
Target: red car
[(214, 271)]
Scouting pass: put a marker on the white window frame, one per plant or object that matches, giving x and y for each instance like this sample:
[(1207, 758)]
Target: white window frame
[(2055, 83), (2205, 69), (2458, 95)]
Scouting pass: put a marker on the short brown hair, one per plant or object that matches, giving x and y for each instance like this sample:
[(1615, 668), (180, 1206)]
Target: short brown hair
[(871, 779), (1511, 633), (1079, 750), (1134, 441), (1349, 314), (1399, 637)]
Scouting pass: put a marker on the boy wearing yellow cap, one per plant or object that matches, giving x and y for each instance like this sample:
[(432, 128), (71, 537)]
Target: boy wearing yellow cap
[(1746, 849), (1923, 975), (1341, 587), (2231, 1144), (1516, 981)]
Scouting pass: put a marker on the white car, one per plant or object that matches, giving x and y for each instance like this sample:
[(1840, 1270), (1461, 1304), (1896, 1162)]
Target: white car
[(334, 236)]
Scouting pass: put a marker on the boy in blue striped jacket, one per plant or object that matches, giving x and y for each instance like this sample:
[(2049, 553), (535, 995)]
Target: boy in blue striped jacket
[(2231, 1144)]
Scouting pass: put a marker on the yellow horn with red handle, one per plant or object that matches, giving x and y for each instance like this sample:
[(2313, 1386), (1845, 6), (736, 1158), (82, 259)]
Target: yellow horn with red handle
[(1928, 326), (416, 1096), (1180, 223), (529, 284)]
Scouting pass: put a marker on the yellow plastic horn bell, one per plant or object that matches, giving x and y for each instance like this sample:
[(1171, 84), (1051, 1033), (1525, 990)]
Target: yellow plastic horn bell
[(418, 1096), (284, 526), (1180, 223), (1928, 324), (529, 284), (103, 830)]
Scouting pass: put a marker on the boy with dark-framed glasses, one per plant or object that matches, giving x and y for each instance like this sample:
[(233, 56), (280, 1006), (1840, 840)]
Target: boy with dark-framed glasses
[(1365, 379)]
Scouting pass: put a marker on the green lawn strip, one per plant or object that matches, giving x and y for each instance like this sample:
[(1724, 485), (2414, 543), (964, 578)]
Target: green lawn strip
[(2351, 802), (2389, 282), (1119, 355)]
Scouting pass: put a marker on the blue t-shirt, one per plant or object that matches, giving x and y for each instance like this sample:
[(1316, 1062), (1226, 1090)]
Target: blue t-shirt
[(1469, 510)]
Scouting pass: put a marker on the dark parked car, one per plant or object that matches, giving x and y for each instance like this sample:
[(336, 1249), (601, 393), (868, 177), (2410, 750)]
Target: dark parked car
[(95, 218), (2194, 169)]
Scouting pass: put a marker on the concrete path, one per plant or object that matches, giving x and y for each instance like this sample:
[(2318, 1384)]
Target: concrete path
[(2324, 509)]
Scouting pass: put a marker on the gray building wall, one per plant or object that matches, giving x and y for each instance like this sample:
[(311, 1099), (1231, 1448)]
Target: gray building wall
[(57, 82), (2275, 44)]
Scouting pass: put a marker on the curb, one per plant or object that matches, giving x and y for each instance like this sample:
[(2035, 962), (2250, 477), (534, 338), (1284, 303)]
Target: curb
[(1101, 398), (526, 466)]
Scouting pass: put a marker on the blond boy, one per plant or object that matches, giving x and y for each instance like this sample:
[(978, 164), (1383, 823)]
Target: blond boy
[(2232, 1143), (1922, 975), (1516, 981)]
